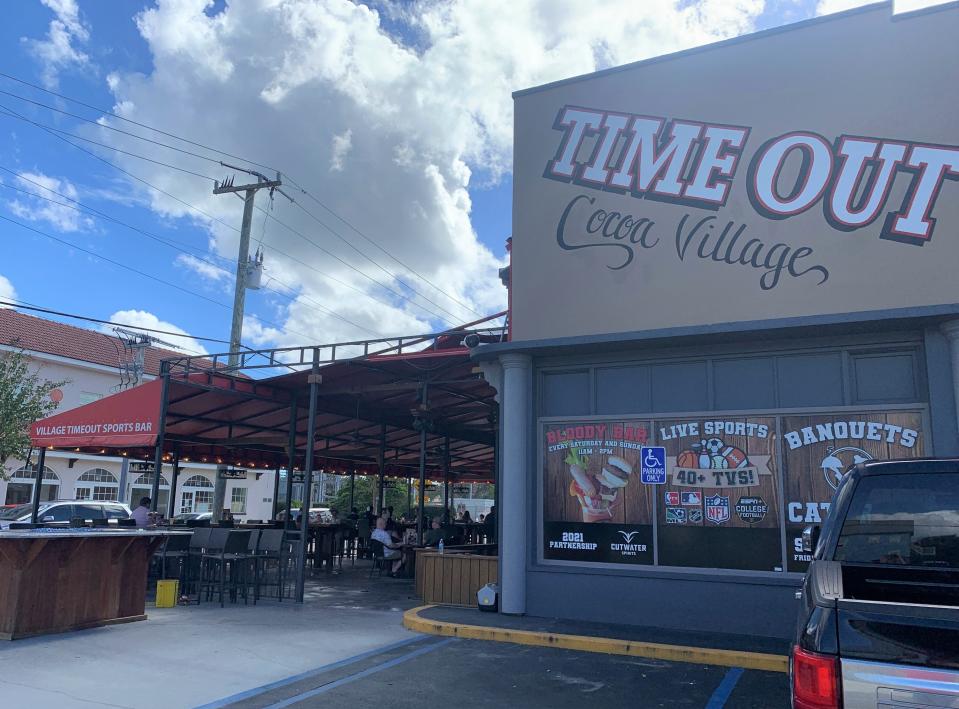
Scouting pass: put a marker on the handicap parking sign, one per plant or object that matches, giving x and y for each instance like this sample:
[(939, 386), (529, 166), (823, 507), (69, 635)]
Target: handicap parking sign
[(652, 461)]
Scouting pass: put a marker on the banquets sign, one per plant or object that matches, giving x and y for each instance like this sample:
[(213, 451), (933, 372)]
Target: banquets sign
[(726, 193)]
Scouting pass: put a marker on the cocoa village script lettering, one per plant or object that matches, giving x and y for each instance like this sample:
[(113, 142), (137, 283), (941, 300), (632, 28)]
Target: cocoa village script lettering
[(694, 164)]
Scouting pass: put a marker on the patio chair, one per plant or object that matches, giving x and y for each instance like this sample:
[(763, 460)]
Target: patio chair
[(363, 532), (177, 548), (272, 551), (198, 542), (379, 560), (226, 568)]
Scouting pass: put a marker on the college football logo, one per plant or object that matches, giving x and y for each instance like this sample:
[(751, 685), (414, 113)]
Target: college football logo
[(838, 461), (717, 509)]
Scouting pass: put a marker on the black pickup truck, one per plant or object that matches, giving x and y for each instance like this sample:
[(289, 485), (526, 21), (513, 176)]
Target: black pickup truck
[(879, 613)]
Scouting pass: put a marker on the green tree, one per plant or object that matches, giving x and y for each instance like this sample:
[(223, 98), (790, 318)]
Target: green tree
[(24, 399), (365, 495)]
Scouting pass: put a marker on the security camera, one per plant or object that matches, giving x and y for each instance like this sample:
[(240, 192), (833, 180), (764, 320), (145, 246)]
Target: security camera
[(472, 340)]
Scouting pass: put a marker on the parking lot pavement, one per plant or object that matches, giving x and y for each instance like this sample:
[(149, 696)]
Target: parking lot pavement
[(476, 673)]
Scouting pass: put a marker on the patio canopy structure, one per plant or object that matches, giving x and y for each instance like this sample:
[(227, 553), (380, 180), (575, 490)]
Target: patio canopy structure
[(393, 407)]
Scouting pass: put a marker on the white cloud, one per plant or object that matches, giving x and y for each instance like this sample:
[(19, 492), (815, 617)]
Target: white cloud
[(59, 51), (203, 268), (137, 319), (342, 144), (56, 213), (294, 83), (7, 291)]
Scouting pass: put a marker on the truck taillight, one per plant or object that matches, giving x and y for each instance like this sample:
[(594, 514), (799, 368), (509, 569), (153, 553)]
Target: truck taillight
[(815, 680)]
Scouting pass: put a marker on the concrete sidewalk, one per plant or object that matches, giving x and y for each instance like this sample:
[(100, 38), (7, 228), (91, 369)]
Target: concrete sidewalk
[(193, 655)]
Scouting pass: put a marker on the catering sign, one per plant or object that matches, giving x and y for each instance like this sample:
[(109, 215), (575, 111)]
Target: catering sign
[(744, 196), (596, 508), (817, 451)]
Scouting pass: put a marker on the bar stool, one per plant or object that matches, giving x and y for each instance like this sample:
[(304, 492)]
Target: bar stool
[(225, 568), (272, 552)]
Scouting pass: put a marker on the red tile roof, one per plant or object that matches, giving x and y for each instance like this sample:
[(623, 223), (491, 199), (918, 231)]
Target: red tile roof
[(56, 338)]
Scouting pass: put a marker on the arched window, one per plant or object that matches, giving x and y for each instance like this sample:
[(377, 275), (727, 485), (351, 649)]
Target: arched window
[(143, 487), (197, 495), (98, 484), (20, 487)]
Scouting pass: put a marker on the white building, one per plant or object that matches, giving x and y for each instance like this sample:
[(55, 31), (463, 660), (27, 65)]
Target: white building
[(90, 363)]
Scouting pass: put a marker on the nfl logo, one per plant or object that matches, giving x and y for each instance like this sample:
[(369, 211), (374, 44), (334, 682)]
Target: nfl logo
[(717, 509)]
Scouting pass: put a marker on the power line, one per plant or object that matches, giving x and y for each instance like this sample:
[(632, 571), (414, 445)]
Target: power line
[(133, 122), (109, 127), (55, 134), (24, 305), (13, 114), (137, 271), (222, 152), (165, 242), (409, 268)]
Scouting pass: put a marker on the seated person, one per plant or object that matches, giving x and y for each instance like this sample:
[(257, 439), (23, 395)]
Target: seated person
[(391, 549), (434, 534)]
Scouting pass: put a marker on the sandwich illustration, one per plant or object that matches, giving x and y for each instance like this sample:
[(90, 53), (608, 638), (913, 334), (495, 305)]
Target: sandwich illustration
[(597, 492)]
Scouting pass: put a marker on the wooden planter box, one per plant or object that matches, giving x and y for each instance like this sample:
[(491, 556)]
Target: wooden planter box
[(453, 578)]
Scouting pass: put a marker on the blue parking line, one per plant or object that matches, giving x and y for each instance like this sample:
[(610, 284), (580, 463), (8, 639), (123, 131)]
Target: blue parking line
[(360, 675), (305, 675), (725, 688)]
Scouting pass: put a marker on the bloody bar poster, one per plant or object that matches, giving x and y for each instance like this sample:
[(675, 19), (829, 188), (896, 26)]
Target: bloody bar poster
[(595, 506), (720, 506), (819, 448)]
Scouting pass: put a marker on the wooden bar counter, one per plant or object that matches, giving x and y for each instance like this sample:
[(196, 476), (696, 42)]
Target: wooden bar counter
[(55, 580)]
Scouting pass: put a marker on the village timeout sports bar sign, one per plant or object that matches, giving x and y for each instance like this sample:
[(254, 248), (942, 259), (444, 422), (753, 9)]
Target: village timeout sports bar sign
[(735, 197)]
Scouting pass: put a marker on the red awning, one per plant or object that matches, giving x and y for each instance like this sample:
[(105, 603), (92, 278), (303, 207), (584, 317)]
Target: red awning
[(125, 420)]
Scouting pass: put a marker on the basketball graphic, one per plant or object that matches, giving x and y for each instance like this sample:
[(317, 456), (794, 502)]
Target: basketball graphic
[(687, 459)]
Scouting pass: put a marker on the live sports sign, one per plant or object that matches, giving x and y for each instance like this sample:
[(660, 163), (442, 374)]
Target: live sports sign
[(791, 174)]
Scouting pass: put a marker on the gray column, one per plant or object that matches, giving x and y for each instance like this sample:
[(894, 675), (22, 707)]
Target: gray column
[(513, 544), (951, 331)]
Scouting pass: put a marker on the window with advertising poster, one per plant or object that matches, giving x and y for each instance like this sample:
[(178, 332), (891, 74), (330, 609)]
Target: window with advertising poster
[(720, 506), (596, 509), (817, 450)]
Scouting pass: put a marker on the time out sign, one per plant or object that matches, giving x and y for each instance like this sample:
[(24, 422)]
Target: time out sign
[(775, 176)]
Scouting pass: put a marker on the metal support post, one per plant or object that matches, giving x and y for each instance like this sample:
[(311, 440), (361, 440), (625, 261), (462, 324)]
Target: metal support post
[(352, 488), (314, 380), (173, 480), (161, 434), (38, 483), (291, 463), (423, 423), (276, 491), (446, 477), (381, 461)]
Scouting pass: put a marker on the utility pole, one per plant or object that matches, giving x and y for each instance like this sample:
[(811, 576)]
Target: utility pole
[(243, 259), (243, 267)]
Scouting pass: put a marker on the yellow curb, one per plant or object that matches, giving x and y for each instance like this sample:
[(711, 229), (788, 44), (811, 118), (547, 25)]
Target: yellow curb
[(609, 646)]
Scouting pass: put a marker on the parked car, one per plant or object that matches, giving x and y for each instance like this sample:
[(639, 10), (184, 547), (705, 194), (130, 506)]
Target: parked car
[(879, 613), (185, 517), (64, 511), (318, 515)]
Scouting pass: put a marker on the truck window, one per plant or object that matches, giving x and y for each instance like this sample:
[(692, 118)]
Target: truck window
[(904, 520)]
